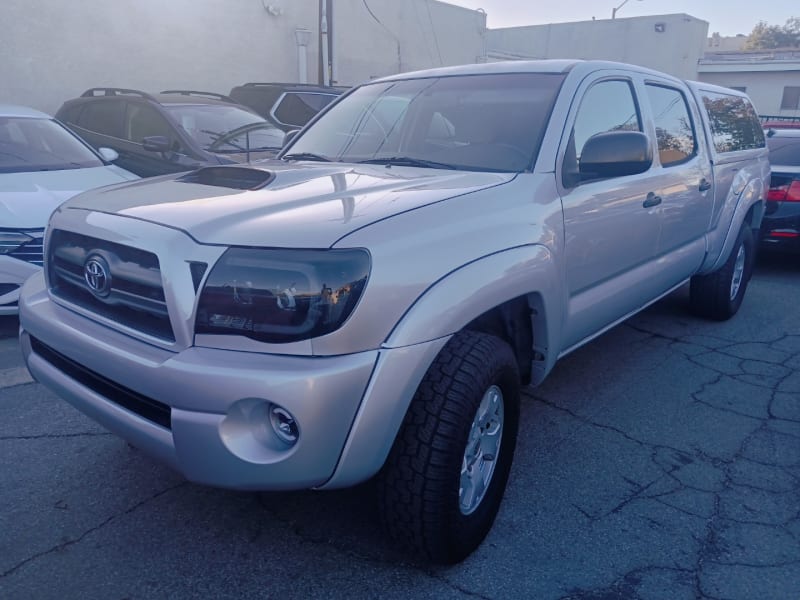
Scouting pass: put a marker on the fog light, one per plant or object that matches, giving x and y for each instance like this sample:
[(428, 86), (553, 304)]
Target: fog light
[(283, 424)]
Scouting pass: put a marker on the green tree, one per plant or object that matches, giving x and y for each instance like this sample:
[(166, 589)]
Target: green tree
[(765, 36)]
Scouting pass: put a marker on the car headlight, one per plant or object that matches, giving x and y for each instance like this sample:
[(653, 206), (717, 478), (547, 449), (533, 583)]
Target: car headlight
[(281, 296), (11, 240)]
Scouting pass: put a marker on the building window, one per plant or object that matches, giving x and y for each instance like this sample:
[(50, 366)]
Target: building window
[(791, 98)]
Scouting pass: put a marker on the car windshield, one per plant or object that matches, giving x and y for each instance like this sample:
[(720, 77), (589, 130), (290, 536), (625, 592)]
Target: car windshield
[(226, 129), (35, 144), (476, 123)]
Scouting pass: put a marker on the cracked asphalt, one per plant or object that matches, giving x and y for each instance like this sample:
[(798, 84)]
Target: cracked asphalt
[(660, 461)]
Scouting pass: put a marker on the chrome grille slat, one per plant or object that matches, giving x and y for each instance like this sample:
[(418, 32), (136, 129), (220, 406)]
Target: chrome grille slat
[(135, 298), (29, 252)]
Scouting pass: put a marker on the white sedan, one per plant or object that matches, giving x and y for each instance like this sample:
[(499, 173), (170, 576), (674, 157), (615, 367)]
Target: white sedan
[(42, 164)]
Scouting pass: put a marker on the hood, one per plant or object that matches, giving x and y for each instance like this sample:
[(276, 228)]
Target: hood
[(28, 199), (302, 205)]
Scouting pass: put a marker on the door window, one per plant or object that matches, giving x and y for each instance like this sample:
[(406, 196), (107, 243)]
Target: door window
[(674, 130), (144, 121), (607, 106), (102, 116)]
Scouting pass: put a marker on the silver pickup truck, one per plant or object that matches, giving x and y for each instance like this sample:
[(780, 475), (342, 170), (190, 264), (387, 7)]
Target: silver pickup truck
[(370, 303)]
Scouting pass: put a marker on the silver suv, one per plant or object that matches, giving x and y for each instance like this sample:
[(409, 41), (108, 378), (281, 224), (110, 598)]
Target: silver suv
[(371, 303)]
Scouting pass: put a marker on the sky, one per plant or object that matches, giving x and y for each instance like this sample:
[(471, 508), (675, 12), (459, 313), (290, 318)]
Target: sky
[(728, 17)]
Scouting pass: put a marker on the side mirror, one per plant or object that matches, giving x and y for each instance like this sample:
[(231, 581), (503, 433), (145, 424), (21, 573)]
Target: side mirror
[(614, 154), (290, 135), (156, 143), (108, 154)]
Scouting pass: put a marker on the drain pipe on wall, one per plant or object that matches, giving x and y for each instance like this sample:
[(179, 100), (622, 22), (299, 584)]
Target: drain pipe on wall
[(323, 35), (302, 36)]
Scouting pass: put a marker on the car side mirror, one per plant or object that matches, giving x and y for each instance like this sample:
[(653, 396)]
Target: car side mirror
[(290, 135), (615, 154), (156, 143), (107, 154)]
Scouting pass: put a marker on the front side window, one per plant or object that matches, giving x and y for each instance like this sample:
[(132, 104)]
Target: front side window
[(144, 121), (298, 108), (226, 129), (674, 131), (733, 121), (28, 145), (607, 106), (476, 123)]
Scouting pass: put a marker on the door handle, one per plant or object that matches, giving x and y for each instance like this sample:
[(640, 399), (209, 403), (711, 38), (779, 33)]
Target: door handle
[(652, 200), (705, 185)]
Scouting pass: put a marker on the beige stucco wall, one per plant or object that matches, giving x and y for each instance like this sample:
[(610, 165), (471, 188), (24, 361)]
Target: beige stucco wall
[(418, 35), (674, 50), (53, 50)]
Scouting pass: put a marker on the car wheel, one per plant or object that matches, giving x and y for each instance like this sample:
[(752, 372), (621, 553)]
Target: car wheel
[(443, 481), (719, 295)]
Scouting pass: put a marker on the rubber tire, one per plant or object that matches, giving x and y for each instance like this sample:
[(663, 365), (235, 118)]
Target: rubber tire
[(418, 487), (709, 295)]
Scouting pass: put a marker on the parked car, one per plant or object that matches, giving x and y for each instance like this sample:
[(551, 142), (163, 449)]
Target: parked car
[(372, 304), (176, 130), (42, 164), (780, 229), (286, 105)]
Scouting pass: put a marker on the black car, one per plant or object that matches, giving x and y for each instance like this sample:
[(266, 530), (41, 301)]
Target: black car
[(780, 229), (176, 130), (286, 105)]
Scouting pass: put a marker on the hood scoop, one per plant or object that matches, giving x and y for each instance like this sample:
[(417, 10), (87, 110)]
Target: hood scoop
[(234, 178)]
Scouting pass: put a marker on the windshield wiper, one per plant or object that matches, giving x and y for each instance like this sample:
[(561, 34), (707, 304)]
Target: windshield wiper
[(305, 156), (406, 161)]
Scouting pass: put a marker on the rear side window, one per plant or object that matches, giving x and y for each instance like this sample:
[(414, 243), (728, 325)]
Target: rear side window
[(103, 116), (784, 151), (297, 108), (674, 131), (734, 123)]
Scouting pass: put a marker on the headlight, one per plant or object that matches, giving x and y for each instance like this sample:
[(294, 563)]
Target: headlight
[(281, 296), (11, 240)]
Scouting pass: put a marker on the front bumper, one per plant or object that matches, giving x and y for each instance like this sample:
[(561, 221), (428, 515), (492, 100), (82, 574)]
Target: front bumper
[(216, 430), (13, 272)]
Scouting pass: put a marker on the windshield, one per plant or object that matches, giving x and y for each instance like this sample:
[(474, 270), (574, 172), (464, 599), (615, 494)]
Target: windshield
[(476, 123), (31, 144), (226, 129)]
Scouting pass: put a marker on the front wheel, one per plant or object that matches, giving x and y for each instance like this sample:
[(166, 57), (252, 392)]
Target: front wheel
[(443, 481), (719, 295)]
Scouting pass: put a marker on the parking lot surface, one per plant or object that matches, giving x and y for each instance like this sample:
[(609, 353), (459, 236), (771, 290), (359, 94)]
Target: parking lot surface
[(660, 461)]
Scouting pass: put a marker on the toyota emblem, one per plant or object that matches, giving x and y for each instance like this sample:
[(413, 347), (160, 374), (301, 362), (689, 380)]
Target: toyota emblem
[(97, 275)]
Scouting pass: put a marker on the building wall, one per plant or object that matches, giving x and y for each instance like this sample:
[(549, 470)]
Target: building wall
[(411, 35), (52, 50), (765, 88), (670, 43)]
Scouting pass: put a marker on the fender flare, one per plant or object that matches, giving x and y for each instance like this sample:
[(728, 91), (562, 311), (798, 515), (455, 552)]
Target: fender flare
[(443, 309), (461, 296), (750, 198)]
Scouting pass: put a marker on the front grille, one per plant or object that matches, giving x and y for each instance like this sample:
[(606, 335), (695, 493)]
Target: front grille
[(147, 408), (30, 251), (134, 296)]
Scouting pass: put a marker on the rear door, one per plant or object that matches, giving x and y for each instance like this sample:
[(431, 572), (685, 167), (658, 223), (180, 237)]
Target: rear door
[(682, 168)]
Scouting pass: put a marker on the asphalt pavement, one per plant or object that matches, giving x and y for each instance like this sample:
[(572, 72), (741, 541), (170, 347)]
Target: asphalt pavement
[(660, 461)]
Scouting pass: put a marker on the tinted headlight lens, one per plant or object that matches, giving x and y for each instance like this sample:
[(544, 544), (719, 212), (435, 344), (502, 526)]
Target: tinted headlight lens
[(281, 296)]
